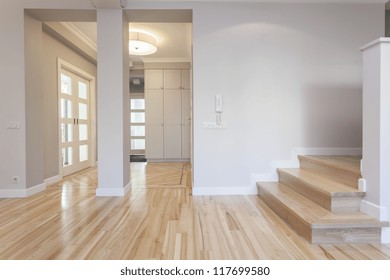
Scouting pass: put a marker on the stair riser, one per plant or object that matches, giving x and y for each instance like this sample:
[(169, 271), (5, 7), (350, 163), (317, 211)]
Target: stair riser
[(322, 235), (294, 221), (336, 174), (350, 235), (336, 204)]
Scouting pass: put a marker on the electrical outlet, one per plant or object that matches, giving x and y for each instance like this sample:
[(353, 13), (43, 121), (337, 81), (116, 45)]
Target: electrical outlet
[(15, 179)]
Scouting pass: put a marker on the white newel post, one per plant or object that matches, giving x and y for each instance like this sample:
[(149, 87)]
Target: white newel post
[(376, 130), (113, 103)]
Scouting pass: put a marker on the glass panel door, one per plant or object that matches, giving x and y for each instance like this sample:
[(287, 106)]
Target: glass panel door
[(74, 122), (137, 125)]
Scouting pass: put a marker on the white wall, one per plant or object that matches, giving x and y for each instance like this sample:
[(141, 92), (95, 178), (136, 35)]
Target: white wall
[(34, 102), (12, 105), (53, 49), (290, 76)]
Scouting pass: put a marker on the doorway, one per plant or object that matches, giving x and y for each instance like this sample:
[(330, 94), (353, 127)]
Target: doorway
[(75, 97)]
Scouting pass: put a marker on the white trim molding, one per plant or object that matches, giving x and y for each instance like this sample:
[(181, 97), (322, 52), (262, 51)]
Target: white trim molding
[(374, 210), (21, 193), (104, 192), (243, 190), (378, 212), (79, 34), (53, 180)]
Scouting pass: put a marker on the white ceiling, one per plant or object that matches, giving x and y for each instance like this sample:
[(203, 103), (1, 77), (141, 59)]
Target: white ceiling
[(117, 3), (173, 39)]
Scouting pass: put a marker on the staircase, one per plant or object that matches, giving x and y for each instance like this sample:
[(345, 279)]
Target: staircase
[(321, 201)]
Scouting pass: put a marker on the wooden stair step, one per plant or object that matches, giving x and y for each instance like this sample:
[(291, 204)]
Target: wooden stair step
[(344, 169), (316, 224), (331, 195)]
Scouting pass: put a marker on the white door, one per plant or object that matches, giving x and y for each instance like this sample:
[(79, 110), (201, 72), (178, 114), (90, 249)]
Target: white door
[(186, 124), (172, 124), (154, 124), (74, 122)]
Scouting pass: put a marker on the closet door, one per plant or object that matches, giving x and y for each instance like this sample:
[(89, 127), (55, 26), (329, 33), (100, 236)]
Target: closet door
[(186, 124), (154, 79), (172, 80), (154, 124), (172, 124)]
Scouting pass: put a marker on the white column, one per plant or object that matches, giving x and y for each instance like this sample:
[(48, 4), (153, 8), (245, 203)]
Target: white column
[(113, 103), (376, 130)]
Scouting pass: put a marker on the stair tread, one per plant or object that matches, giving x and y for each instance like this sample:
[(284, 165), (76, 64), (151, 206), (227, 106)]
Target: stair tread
[(321, 183), (350, 164), (315, 215)]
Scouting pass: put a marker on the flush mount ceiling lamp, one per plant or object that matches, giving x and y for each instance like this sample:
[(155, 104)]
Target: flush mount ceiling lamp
[(141, 43)]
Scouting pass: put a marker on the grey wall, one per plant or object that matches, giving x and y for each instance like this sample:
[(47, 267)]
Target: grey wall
[(53, 49), (290, 75), (387, 29), (34, 102)]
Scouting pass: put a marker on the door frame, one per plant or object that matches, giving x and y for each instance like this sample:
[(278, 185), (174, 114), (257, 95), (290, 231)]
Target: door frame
[(62, 64)]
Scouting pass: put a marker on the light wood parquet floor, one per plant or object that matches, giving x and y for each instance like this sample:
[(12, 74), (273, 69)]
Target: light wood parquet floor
[(154, 221)]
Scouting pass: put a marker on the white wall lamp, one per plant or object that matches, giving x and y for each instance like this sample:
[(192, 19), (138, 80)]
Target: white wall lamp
[(141, 43)]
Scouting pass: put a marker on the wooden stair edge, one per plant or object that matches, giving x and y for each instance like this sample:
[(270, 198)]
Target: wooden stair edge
[(319, 161), (323, 217), (322, 188)]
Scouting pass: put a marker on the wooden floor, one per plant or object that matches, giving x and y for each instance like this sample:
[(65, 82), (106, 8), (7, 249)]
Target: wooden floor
[(154, 221)]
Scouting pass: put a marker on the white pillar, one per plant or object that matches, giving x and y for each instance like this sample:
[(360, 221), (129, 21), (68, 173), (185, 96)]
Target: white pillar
[(376, 130), (113, 103)]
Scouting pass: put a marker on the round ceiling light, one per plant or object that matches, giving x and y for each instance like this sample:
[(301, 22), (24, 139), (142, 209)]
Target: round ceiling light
[(141, 44)]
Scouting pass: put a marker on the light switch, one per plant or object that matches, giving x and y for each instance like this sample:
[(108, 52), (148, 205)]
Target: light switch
[(13, 125)]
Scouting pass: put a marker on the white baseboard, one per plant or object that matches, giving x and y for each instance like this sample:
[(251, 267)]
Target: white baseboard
[(328, 151), (385, 235), (244, 190), (53, 180), (113, 191), (374, 210), (36, 189), (21, 193)]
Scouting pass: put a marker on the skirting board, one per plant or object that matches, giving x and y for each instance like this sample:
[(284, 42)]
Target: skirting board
[(378, 212), (23, 192), (113, 191), (374, 210), (53, 180), (245, 190)]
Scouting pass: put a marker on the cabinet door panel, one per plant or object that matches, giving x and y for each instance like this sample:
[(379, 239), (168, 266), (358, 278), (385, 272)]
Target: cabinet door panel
[(186, 142), (154, 148), (172, 141), (172, 79), (154, 110), (172, 107), (186, 79), (154, 79)]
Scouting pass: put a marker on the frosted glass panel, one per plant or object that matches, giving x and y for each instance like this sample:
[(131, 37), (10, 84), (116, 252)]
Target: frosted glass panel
[(67, 156), (83, 153), (137, 104), (83, 111), (66, 84), (66, 133), (137, 130), (137, 117), (83, 90), (138, 144), (83, 132), (66, 108)]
